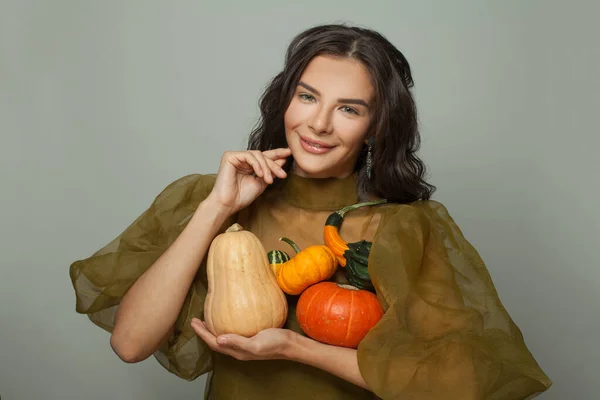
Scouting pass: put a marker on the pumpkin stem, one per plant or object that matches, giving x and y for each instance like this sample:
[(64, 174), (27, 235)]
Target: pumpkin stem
[(344, 210), (344, 286), (235, 228), (294, 245)]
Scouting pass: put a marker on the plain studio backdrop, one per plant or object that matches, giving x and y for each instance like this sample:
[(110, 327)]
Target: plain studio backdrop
[(103, 103)]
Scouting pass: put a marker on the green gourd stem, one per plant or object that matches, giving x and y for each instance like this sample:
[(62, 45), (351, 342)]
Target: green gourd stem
[(294, 245), (344, 210), (335, 218)]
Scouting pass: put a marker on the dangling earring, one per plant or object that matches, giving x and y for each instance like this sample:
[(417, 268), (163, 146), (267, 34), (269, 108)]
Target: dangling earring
[(370, 156)]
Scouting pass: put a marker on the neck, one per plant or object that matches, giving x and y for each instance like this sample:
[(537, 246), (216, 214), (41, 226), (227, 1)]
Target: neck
[(320, 193), (326, 174)]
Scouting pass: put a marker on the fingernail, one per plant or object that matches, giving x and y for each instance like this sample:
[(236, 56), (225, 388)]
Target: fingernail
[(222, 340)]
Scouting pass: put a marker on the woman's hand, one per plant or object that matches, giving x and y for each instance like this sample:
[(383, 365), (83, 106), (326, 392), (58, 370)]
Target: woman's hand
[(284, 344), (269, 344), (244, 175)]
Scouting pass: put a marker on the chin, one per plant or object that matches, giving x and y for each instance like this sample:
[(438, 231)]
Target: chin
[(314, 168)]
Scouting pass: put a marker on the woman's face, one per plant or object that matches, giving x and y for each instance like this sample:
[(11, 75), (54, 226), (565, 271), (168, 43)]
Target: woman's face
[(327, 120)]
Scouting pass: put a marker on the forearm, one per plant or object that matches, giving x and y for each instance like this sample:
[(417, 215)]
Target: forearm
[(339, 361), (151, 306)]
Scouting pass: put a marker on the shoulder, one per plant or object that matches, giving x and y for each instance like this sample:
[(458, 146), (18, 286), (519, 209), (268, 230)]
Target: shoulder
[(419, 209), (193, 180), (417, 216), (192, 186)]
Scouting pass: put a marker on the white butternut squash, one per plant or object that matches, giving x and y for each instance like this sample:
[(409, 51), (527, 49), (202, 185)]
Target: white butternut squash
[(243, 295)]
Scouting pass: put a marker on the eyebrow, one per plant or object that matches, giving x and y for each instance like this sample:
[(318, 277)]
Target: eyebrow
[(347, 101)]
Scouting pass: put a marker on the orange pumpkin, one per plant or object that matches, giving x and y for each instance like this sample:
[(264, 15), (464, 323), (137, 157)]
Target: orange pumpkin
[(340, 315)]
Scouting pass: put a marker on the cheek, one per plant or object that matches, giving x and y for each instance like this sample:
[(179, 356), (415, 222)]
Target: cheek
[(293, 115), (352, 133)]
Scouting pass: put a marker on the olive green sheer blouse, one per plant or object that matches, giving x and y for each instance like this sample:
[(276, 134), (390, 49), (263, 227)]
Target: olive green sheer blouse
[(444, 335)]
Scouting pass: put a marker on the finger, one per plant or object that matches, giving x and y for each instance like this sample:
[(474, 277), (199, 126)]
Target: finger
[(239, 159), (268, 176), (280, 161), (276, 168), (235, 342), (275, 154), (204, 334), (201, 330)]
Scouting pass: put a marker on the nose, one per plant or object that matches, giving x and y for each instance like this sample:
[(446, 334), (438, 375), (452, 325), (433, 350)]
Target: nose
[(320, 121)]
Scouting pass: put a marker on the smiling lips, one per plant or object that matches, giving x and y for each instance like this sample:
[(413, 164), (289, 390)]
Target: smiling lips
[(315, 147)]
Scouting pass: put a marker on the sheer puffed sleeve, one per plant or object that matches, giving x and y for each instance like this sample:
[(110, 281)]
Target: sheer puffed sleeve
[(445, 333), (101, 281)]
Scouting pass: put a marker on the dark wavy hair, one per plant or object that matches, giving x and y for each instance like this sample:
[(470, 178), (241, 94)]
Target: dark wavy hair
[(397, 173)]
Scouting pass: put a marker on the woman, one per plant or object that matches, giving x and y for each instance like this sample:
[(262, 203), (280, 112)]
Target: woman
[(338, 126)]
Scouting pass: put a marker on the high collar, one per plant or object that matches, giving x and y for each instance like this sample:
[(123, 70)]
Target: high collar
[(320, 193)]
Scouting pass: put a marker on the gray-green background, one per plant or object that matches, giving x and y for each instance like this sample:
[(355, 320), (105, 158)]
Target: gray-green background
[(103, 103)]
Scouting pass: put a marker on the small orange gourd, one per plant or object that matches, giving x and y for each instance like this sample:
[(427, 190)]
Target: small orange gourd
[(243, 295), (309, 266)]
